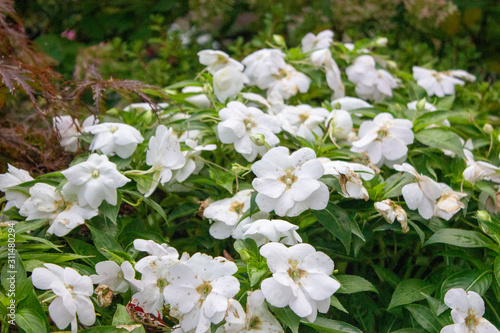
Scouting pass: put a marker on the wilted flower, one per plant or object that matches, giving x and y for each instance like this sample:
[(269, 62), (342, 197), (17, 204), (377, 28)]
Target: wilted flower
[(216, 60), (67, 128), (93, 181), (240, 121), (422, 194), (263, 231), (228, 82), (288, 184), (13, 177), (349, 175), (479, 170), (384, 139), (303, 120), (440, 83), (199, 289), (449, 203), (114, 138), (73, 295), (391, 211), (301, 279), (467, 313)]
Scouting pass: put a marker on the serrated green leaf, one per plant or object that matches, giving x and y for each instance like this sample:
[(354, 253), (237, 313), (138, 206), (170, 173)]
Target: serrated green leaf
[(350, 284), (461, 238), (331, 326), (409, 291)]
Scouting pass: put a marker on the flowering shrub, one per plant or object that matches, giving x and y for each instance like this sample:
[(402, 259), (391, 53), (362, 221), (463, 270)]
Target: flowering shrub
[(171, 210)]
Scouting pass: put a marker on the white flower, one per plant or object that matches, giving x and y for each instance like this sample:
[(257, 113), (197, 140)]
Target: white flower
[(390, 211), (300, 279), (371, 83), (13, 177), (303, 120), (240, 121), (228, 82), (200, 100), (384, 139), (312, 42), (114, 138), (289, 184), (449, 203), (199, 289), (257, 318), (94, 180), (274, 102), (216, 60), (427, 106), (73, 292), (288, 82), (479, 170), (67, 129), (467, 313), (350, 103), (164, 155), (115, 277), (349, 175), (263, 65), (62, 209), (324, 58), (339, 123), (144, 106), (422, 194), (194, 162), (263, 231), (436, 83)]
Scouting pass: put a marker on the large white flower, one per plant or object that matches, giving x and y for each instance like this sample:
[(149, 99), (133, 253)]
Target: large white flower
[(288, 184), (67, 128), (349, 175), (216, 60), (422, 194), (449, 203), (256, 319), (479, 170), (94, 180), (117, 278), (439, 83), (199, 289), (164, 155), (114, 138), (467, 313), (73, 292), (303, 120), (228, 82), (240, 121), (263, 65), (312, 42), (263, 231), (371, 83), (13, 177), (384, 139), (62, 209), (301, 279)]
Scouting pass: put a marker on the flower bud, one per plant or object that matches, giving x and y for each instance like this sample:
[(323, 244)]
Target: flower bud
[(483, 216), (488, 129), (207, 88), (237, 169), (279, 40), (421, 104), (258, 139), (381, 41)]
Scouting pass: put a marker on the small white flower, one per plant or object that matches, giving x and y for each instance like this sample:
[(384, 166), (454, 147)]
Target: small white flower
[(144, 106), (303, 120), (194, 162), (479, 170), (339, 123), (256, 319), (436, 83), (200, 100), (288, 82), (263, 65), (390, 211), (114, 138), (349, 175), (93, 181), (384, 139), (312, 42), (301, 279), (199, 289), (467, 313), (73, 292), (263, 231), (350, 103), (422, 194), (324, 58), (228, 82), (115, 277), (216, 60), (13, 177), (67, 129), (449, 203), (164, 155), (239, 122), (288, 184)]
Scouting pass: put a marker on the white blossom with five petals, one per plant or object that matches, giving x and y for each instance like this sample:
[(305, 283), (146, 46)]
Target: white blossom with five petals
[(114, 138)]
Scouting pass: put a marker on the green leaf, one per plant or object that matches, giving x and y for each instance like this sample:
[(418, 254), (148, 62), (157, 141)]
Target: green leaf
[(110, 211), (436, 117), (104, 329), (21, 227), (30, 321), (334, 301), (461, 238), (14, 279), (497, 269), (424, 316), (53, 258), (103, 241), (477, 281), (350, 284), (287, 316), (121, 316), (331, 326), (441, 138), (386, 275), (82, 248), (153, 204), (409, 330), (445, 103), (256, 270), (336, 221), (419, 231), (409, 291)]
